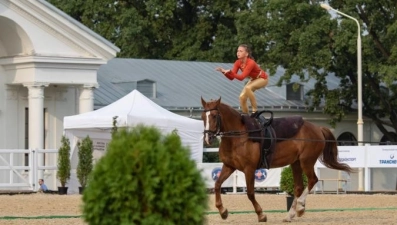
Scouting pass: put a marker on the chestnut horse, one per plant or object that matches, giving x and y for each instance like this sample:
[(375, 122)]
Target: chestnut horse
[(238, 152)]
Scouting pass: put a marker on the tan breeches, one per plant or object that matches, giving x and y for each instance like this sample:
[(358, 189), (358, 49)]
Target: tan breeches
[(248, 92)]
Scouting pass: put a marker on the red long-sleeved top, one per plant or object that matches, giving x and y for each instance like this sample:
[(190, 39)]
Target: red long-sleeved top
[(251, 69)]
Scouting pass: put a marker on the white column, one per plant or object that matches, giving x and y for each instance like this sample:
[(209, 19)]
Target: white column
[(86, 100), (36, 120)]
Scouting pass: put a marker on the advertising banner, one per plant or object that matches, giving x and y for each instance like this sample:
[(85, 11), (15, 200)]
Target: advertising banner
[(354, 156), (263, 178), (382, 156), (211, 171)]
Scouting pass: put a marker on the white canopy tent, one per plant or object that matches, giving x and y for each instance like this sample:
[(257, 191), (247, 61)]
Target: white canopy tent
[(131, 110)]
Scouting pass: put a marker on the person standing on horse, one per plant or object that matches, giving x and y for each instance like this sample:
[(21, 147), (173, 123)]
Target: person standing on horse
[(258, 77)]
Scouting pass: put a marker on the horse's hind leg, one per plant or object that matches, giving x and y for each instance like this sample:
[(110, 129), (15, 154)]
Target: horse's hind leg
[(311, 181), (249, 179), (292, 212), (225, 173), (298, 205)]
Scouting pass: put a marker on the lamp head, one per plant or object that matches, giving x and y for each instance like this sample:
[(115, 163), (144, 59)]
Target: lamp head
[(325, 6)]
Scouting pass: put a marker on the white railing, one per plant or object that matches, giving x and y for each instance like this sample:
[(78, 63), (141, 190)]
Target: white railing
[(15, 175), (9, 169)]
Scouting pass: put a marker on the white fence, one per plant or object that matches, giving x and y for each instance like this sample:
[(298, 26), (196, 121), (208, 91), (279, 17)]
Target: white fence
[(20, 169)]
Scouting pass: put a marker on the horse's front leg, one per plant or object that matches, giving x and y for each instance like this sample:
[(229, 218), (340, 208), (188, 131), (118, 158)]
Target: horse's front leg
[(250, 181), (225, 173)]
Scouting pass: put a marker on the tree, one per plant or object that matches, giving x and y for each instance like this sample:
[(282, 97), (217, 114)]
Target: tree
[(63, 172), (310, 43), (379, 59), (85, 162), (167, 29), (297, 35)]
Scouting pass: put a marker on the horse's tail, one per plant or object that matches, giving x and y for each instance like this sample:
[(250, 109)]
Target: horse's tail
[(330, 153)]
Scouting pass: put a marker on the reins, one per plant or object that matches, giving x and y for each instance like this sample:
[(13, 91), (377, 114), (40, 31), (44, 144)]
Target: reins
[(217, 132), (234, 133)]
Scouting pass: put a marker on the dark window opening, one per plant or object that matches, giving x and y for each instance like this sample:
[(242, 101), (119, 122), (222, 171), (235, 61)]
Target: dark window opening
[(385, 140), (294, 92), (347, 139)]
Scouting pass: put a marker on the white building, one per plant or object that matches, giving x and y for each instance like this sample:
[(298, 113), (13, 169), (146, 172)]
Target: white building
[(48, 70)]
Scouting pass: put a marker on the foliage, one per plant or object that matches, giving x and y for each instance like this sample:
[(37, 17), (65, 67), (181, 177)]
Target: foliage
[(85, 163), (311, 43), (287, 180), (114, 127), (211, 156), (297, 35), (63, 172), (145, 178), (168, 29)]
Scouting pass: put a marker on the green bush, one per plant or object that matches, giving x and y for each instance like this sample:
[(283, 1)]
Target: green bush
[(63, 172), (147, 179), (114, 127), (85, 163), (287, 180)]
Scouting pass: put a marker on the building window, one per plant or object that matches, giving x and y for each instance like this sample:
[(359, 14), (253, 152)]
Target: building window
[(45, 114), (294, 91), (347, 139), (387, 141), (147, 88), (127, 86)]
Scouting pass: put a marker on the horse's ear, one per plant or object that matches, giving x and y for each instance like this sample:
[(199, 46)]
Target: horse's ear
[(218, 101), (203, 101)]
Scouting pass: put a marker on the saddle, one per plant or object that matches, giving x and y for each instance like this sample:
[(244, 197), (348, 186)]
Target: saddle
[(269, 131)]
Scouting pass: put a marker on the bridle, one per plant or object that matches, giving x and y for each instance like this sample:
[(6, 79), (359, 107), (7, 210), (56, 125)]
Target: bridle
[(217, 130)]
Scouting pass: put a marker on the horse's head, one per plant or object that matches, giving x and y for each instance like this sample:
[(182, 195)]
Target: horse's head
[(211, 119)]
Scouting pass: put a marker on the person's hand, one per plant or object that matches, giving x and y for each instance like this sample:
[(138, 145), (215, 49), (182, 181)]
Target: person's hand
[(220, 69)]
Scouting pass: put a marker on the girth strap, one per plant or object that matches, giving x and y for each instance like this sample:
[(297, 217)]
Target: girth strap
[(267, 147), (266, 131)]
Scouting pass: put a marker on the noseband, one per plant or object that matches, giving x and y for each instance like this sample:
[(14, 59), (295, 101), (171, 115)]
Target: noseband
[(217, 130)]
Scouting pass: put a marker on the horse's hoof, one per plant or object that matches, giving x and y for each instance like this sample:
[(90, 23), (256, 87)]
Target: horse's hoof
[(287, 220), (300, 210), (224, 214), (263, 218)]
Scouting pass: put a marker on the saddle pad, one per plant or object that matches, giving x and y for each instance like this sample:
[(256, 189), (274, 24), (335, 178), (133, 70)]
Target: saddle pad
[(254, 128), (287, 127)]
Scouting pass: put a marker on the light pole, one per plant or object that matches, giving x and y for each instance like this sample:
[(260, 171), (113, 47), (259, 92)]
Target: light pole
[(360, 121)]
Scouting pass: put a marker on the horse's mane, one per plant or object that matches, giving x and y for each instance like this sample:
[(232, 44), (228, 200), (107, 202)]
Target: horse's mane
[(223, 106)]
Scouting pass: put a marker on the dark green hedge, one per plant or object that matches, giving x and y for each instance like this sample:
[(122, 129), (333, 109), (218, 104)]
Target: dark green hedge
[(145, 178), (287, 180)]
